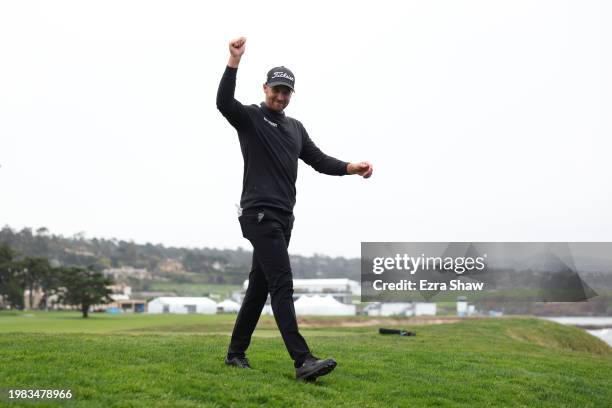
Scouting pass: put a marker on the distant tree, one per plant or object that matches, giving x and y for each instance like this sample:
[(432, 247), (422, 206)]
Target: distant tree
[(6, 253), (79, 236), (42, 231), (84, 287), (12, 284), (34, 271), (50, 285), (40, 243), (38, 274)]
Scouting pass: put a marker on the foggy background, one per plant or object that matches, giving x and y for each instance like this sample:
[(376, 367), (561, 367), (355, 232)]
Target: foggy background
[(485, 120)]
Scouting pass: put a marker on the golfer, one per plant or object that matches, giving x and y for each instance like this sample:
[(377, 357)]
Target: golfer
[(271, 144)]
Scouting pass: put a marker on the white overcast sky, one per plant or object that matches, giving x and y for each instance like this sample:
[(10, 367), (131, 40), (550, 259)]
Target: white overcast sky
[(485, 120)]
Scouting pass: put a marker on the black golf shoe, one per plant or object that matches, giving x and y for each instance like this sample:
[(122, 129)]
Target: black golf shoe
[(314, 367), (240, 362)]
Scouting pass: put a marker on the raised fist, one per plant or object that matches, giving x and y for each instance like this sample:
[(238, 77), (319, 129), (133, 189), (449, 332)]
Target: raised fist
[(236, 47)]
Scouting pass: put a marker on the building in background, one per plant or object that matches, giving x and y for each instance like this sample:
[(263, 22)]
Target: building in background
[(343, 290), (228, 306), (182, 305)]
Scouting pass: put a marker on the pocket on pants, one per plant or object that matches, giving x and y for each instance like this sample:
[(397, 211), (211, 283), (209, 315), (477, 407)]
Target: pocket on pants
[(252, 217), (259, 224), (251, 222)]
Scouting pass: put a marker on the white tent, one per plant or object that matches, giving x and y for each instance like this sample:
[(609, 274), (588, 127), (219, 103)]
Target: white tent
[(401, 309), (319, 285), (182, 305), (389, 309), (322, 306), (424, 309), (228, 306)]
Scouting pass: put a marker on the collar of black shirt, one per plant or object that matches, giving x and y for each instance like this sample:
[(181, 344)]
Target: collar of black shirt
[(277, 116)]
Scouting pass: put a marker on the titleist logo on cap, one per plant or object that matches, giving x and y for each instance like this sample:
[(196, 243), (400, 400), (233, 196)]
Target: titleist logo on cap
[(280, 74)]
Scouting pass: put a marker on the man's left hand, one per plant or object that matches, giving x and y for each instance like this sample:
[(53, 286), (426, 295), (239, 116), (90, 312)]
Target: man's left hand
[(363, 168)]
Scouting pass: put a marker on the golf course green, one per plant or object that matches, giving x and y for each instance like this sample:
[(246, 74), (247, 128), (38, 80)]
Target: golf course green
[(177, 361)]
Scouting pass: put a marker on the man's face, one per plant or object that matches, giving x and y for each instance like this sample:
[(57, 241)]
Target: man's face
[(277, 97)]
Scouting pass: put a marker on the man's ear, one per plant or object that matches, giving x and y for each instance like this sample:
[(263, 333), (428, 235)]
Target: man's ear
[(265, 87)]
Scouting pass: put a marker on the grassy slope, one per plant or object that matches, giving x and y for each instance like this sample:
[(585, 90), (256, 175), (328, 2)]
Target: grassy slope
[(145, 361)]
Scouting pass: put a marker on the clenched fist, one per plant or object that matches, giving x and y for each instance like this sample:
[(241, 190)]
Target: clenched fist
[(236, 47), (364, 169)]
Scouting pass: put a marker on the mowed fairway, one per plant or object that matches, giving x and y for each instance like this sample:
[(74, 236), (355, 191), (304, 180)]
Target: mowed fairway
[(177, 361)]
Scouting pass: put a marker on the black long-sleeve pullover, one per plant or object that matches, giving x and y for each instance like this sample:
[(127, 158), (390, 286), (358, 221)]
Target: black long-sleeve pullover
[(271, 144)]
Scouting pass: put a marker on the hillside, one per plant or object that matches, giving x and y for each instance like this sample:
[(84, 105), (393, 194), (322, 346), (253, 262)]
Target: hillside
[(163, 264)]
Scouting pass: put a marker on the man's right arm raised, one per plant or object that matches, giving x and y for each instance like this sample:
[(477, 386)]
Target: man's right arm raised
[(233, 110)]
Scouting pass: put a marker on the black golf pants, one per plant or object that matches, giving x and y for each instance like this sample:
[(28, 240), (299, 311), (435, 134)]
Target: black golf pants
[(269, 231)]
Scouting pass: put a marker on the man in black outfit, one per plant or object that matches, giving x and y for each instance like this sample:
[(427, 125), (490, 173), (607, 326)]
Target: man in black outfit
[(271, 144)]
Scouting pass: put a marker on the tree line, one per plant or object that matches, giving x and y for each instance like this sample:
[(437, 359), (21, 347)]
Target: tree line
[(197, 265), (68, 285)]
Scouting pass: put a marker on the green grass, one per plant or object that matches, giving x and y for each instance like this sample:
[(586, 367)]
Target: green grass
[(176, 361)]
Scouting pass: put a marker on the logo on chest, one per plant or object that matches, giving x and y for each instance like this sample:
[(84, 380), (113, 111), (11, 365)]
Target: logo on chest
[(270, 122)]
